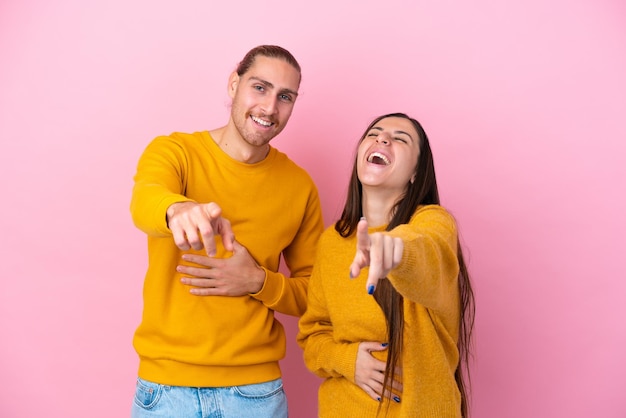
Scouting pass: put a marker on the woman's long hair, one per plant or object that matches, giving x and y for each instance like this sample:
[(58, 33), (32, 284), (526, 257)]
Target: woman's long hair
[(423, 191)]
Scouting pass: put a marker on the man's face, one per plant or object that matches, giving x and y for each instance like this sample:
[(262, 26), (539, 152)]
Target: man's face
[(263, 99)]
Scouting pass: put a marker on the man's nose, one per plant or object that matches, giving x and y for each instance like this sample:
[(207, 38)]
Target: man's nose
[(269, 105)]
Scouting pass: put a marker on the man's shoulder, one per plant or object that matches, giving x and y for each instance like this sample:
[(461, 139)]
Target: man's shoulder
[(288, 163), (187, 136), (181, 140)]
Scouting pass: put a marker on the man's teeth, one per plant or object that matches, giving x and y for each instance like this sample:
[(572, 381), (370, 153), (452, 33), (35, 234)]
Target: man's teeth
[(261, 121), (378, 155)]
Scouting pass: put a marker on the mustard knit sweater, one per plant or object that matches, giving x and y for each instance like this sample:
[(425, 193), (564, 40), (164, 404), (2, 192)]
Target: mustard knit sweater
[(274, 210), (340, 314)]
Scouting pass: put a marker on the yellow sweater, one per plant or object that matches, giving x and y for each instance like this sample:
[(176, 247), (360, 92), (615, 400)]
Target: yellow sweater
[(340, 314), (274, 208)]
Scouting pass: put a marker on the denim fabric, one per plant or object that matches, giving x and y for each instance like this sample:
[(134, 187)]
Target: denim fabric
[(262, 400)]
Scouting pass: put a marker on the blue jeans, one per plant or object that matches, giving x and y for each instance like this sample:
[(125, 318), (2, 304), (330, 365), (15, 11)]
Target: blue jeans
[(262, 400)]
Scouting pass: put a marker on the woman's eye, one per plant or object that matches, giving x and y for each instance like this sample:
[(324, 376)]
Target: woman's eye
[(400, 139)]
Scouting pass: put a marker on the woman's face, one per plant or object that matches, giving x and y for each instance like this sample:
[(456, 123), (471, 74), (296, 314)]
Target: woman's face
[(387, 156)]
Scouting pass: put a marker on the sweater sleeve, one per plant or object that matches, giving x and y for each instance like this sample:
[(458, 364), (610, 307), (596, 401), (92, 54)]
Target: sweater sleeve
[(288, 295), (428, 272), (323, 356), (159, 182)]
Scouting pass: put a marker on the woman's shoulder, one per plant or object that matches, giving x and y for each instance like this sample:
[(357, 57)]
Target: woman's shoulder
[(433, 213), (331, 236), (330, 232), (431, 210)]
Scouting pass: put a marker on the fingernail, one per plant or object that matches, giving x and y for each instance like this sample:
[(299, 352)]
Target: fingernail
[(378, 399), (385, 344), (351, 275), (362, 218), (370, 289), (395, 398)]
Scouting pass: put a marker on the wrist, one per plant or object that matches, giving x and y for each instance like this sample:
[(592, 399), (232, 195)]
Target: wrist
[(259, 280)]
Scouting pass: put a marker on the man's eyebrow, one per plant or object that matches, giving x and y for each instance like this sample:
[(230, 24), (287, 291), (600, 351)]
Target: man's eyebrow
[(289, 91), (271, 86)]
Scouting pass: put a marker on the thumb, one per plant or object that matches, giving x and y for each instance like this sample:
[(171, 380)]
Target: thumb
[(213, 210), (237, 246), (374, 346), (355, 269)]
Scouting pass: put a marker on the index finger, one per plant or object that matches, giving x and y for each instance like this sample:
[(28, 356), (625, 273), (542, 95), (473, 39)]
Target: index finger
[(362, 237), (362, 256), (217, 225), (212, 212), (224, 229)]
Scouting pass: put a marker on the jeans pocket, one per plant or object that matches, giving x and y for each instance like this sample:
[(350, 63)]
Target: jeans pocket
[(147, 394), (260, 390)]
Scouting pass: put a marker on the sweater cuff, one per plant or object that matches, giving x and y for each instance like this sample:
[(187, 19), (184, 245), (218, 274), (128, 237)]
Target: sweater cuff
[(345, 357), (161, 210), (272, 288)]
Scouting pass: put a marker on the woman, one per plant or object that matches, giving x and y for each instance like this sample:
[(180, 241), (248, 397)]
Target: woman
[(392, 340)]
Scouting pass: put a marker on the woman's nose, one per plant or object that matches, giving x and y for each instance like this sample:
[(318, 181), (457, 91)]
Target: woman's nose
[(382, 139)]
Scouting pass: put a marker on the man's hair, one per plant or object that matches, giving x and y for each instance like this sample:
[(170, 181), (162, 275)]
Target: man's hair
[(270, 51)]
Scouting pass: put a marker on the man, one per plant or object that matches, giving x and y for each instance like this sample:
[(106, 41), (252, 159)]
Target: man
[(220, 208)]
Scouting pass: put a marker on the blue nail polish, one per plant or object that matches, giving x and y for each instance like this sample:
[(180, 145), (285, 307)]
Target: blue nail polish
[(395, 398), (385, 344), (351, 275), (378, 399), (370, 289)]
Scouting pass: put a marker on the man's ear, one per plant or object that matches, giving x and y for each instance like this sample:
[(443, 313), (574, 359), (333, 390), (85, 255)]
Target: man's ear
[(233, 83)]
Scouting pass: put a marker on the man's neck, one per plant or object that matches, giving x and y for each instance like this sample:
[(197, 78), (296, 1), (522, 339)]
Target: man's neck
[(231, 142)]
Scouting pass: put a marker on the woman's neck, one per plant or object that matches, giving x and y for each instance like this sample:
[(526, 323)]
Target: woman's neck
[(378, 206)]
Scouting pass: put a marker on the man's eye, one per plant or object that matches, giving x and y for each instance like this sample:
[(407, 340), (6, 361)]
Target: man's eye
[(259, 88), (285, 97)]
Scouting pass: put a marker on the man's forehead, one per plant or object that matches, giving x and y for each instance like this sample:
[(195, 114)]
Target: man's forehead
[(273, 70), (262, 60)]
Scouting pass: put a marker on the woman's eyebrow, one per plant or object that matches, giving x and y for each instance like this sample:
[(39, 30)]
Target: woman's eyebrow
[(405, 133), (378, 128)]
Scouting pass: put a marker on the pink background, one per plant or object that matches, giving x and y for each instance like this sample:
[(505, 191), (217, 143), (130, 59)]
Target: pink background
[(525, 105)]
